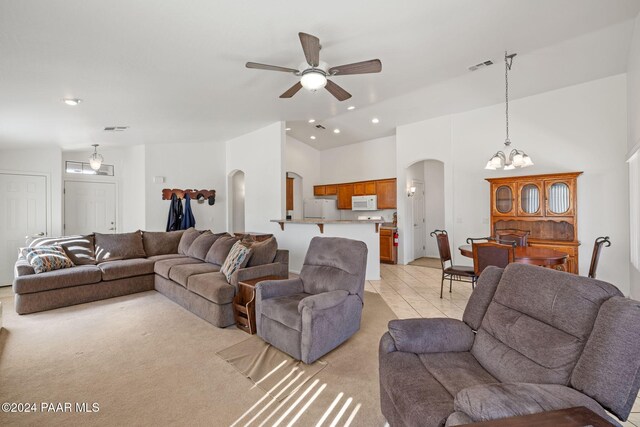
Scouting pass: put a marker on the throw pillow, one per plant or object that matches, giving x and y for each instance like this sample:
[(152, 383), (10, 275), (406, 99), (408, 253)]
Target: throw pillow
[(47, 258), (79, 249), (220, 249), (237, 258), (161, 242), (263, 252), (200, 247), (187, 239), (112, 247)]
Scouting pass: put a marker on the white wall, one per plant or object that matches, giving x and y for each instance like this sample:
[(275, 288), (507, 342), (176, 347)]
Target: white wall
[(633, 123), (260, 155), (304, 161), (434, 201), (40, 161), (364, 161), (578, 128), (186, 165), (236, 202)]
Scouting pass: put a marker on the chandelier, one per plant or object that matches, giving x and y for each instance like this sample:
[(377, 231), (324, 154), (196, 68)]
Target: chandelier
[(516, 158), (95, 161)]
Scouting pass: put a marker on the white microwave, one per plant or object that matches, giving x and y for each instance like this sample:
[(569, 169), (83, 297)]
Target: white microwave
[(364, 203)]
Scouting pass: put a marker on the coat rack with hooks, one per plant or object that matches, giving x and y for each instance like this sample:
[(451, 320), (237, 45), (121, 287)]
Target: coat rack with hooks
[(193, 194)]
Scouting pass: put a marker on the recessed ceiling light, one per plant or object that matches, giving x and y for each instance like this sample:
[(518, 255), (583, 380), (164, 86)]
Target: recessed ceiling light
[(312, 137), (312, 120), (375, 121), (351, 107), (336, 130), (287, 129), (72, 101)]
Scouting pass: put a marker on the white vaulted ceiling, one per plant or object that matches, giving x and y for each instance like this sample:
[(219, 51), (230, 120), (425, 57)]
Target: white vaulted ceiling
[(174, 70)]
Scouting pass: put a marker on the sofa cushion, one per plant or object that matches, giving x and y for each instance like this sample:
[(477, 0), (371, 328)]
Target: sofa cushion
[(456, 371), (65, 278), (163, 267), (80, 249), (494, 401), (181, 273), (200, 247), (156, 258), (609, 367), (537, 324), (187, 239), (47, 258), (113, 270), (236, 259), (263, 252), (285, 310), (111, 247), (212, 286), (220, 249), (161, 242)]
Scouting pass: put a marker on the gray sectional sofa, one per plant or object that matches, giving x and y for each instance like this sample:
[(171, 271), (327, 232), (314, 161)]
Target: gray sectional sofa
[(182, 265), (531, 340)]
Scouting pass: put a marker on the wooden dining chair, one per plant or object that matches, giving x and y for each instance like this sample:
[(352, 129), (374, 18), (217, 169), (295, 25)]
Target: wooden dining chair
[(509, 235), (595, 256), (460, 273), (492, 253)]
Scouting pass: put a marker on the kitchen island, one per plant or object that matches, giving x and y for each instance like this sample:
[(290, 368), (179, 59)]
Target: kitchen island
[(296, 234)]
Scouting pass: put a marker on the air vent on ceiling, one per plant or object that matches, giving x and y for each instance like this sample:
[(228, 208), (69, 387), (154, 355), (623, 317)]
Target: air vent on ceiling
[(116, 128), (481, 65), (320, 127)]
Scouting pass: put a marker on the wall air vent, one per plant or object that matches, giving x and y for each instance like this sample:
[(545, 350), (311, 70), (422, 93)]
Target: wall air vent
[(481, 65), (116, 128), (320, 127)]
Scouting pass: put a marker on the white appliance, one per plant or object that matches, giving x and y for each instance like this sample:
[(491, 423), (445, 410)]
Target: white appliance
[(364, 203), (369, 218), (321, 209)]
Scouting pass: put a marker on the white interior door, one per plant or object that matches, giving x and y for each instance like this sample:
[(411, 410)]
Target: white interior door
[(89, 207), (23, 213), (419, 221)]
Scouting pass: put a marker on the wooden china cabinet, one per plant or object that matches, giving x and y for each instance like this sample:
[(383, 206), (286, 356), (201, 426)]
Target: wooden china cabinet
[(544, 205)]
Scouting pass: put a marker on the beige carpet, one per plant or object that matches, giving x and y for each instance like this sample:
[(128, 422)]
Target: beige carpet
[(147, 361), (427, 262), (275, 372)]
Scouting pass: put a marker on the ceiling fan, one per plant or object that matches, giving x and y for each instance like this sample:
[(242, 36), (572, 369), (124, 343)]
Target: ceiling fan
[(313, 74)]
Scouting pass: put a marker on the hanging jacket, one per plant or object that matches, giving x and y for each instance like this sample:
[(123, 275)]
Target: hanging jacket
[(188, 220), (175, 213)]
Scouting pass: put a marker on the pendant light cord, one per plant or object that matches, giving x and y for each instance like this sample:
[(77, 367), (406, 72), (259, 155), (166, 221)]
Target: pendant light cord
[(506, 95)]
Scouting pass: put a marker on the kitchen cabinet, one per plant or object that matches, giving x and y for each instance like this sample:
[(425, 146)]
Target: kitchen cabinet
[(543, 205), (319, 190), (388, 252), (387, 193), (289, 194), (330, 190), (345, 192), (365, 188)]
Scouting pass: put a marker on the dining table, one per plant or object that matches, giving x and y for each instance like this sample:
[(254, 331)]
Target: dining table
[(534, 255)]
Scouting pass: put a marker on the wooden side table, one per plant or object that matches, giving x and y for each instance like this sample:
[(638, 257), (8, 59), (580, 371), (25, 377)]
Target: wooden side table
[(570, 417), (244, 303)]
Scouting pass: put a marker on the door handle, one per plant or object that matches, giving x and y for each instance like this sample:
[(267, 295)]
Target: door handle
[(40, 234), (112, 228)]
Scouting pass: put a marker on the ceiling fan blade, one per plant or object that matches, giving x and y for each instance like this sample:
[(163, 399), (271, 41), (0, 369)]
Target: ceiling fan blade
[(270, 67), (311, 48), (337, 91), (364, 67), (292, 90)]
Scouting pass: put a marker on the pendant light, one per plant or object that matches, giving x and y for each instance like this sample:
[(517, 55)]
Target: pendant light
[(95, 161), (516, 158)]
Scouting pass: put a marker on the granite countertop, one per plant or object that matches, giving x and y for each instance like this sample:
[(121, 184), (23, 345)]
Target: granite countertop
[(329, 221)]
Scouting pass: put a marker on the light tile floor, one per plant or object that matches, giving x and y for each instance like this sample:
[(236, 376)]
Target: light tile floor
[(413, 291)]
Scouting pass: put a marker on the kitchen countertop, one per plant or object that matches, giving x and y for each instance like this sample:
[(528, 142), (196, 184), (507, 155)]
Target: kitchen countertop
[(328, 221)]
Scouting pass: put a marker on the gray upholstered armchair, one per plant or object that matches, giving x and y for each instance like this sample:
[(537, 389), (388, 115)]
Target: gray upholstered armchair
[(309, 316), (531, 340)]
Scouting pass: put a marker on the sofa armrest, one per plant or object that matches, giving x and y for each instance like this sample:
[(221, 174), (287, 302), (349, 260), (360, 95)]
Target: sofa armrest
[(323, 301), (277, 288), (22, 268), (282, 257), (431, 335), (273, 269), (387, 344)]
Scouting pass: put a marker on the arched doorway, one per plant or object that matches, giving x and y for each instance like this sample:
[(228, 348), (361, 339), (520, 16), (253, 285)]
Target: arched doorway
[(236, 201), (295, 200)]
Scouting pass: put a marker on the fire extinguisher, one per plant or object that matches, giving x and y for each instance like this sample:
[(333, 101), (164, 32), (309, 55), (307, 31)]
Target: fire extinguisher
[(395, 239)]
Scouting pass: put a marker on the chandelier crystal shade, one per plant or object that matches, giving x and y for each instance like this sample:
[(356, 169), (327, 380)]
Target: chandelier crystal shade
[(95, 161), (515, 158)]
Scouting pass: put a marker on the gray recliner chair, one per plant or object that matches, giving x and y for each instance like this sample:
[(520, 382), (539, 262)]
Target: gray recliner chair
[(531, 340), (309, 316)]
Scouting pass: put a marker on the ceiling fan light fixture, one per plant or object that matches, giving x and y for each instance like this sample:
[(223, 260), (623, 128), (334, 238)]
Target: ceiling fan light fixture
[(313, 80)]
